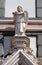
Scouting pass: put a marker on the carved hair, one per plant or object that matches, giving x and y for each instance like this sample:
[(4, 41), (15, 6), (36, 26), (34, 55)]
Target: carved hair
[(19, 9)]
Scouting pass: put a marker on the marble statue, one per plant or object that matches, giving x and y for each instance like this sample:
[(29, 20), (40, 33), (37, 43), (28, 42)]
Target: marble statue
[(20, 40), (20, 18)]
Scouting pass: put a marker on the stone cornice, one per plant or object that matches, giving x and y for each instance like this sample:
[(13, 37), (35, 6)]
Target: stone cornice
[(32, 25)]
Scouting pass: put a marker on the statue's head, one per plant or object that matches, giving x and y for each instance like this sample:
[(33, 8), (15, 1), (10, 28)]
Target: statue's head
[(19, 9)]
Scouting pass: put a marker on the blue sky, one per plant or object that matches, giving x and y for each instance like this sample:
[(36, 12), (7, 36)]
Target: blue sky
[(11, 5)]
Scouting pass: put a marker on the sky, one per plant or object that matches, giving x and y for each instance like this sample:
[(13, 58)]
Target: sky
[(11, 6)]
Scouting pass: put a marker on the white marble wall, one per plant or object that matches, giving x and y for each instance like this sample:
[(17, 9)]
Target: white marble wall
[(33, 45)]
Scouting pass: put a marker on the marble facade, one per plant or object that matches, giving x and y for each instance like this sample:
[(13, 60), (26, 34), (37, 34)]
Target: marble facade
[(20, 43)]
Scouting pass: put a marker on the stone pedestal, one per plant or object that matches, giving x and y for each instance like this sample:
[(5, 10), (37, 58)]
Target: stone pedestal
[(20, 42)]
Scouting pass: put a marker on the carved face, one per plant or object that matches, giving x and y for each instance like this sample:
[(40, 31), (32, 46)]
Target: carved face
[(19, 9)]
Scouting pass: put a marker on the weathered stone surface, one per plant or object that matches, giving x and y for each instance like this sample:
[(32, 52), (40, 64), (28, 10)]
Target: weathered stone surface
[(2, 8)]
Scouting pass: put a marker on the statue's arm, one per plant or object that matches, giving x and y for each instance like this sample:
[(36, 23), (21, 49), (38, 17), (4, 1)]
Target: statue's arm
[(14, 17)]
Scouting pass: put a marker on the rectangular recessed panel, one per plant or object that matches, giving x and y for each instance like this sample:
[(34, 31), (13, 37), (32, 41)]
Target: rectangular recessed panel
[(39, 39), (7, 41), (39, 12), (2, 3), (1, 49), (40, 51), (2, 12), (39, 3)]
